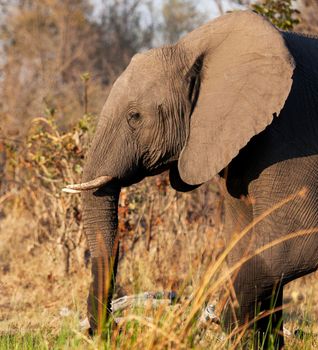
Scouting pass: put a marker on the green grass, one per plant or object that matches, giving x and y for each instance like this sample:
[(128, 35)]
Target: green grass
[(140, 332), (66, 339)]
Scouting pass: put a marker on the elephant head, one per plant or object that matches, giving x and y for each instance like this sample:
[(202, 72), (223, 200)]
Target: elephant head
[(188, 107)]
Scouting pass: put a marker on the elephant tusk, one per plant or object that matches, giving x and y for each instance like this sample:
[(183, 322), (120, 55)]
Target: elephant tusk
[(69, 190), (90, 185)]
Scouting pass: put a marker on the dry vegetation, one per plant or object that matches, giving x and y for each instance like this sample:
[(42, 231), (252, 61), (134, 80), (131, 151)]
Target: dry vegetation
[(169, 241)]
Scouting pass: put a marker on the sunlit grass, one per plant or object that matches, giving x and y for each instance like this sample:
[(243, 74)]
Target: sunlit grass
[(42, 339), (138, 331)]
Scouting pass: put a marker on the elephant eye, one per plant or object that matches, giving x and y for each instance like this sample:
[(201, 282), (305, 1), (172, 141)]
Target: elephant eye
[(133, 119)]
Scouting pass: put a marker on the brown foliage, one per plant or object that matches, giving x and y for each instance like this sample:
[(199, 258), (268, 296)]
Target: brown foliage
[(47, 45), (309, 16), (35, 170)]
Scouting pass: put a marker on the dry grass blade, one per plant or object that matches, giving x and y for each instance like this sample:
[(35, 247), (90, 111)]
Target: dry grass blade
[(86, 339)]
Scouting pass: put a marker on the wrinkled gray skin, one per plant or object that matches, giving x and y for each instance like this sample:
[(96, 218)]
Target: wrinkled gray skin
[(200, 108)]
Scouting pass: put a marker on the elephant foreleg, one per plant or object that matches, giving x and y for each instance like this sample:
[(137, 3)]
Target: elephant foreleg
[(258, 299)]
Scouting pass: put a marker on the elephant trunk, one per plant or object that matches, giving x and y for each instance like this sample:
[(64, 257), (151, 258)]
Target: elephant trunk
[(100, 217)]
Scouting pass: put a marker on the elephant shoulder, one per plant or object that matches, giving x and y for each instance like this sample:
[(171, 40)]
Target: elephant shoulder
[(302, 105), (304, 49)]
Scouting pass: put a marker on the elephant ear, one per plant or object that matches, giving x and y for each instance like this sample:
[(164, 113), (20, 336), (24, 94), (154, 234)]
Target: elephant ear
[(246, 77)]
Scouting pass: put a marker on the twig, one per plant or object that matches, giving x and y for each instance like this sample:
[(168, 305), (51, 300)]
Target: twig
[(6, 196), (150, 299)]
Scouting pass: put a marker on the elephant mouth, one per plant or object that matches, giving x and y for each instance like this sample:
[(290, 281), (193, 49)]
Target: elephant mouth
[(101, 181), (90, 185)]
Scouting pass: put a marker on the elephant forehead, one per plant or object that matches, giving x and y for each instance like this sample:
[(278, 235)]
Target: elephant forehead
[(142, 79), (145, 63)]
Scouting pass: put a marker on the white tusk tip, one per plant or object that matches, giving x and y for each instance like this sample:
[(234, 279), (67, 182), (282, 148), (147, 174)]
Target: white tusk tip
[(70, 190)]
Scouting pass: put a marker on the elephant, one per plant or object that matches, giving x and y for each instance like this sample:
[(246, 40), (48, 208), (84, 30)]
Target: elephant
[(237, 98)]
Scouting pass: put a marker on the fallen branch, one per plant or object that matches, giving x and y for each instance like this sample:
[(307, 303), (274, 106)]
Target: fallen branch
[(146, 299)]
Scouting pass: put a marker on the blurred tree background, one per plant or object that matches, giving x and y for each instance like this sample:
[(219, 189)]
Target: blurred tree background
[(46, 45), (59, 59)]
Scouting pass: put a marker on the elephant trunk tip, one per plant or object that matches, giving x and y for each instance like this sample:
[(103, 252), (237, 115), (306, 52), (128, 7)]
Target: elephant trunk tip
[(90, 185)]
